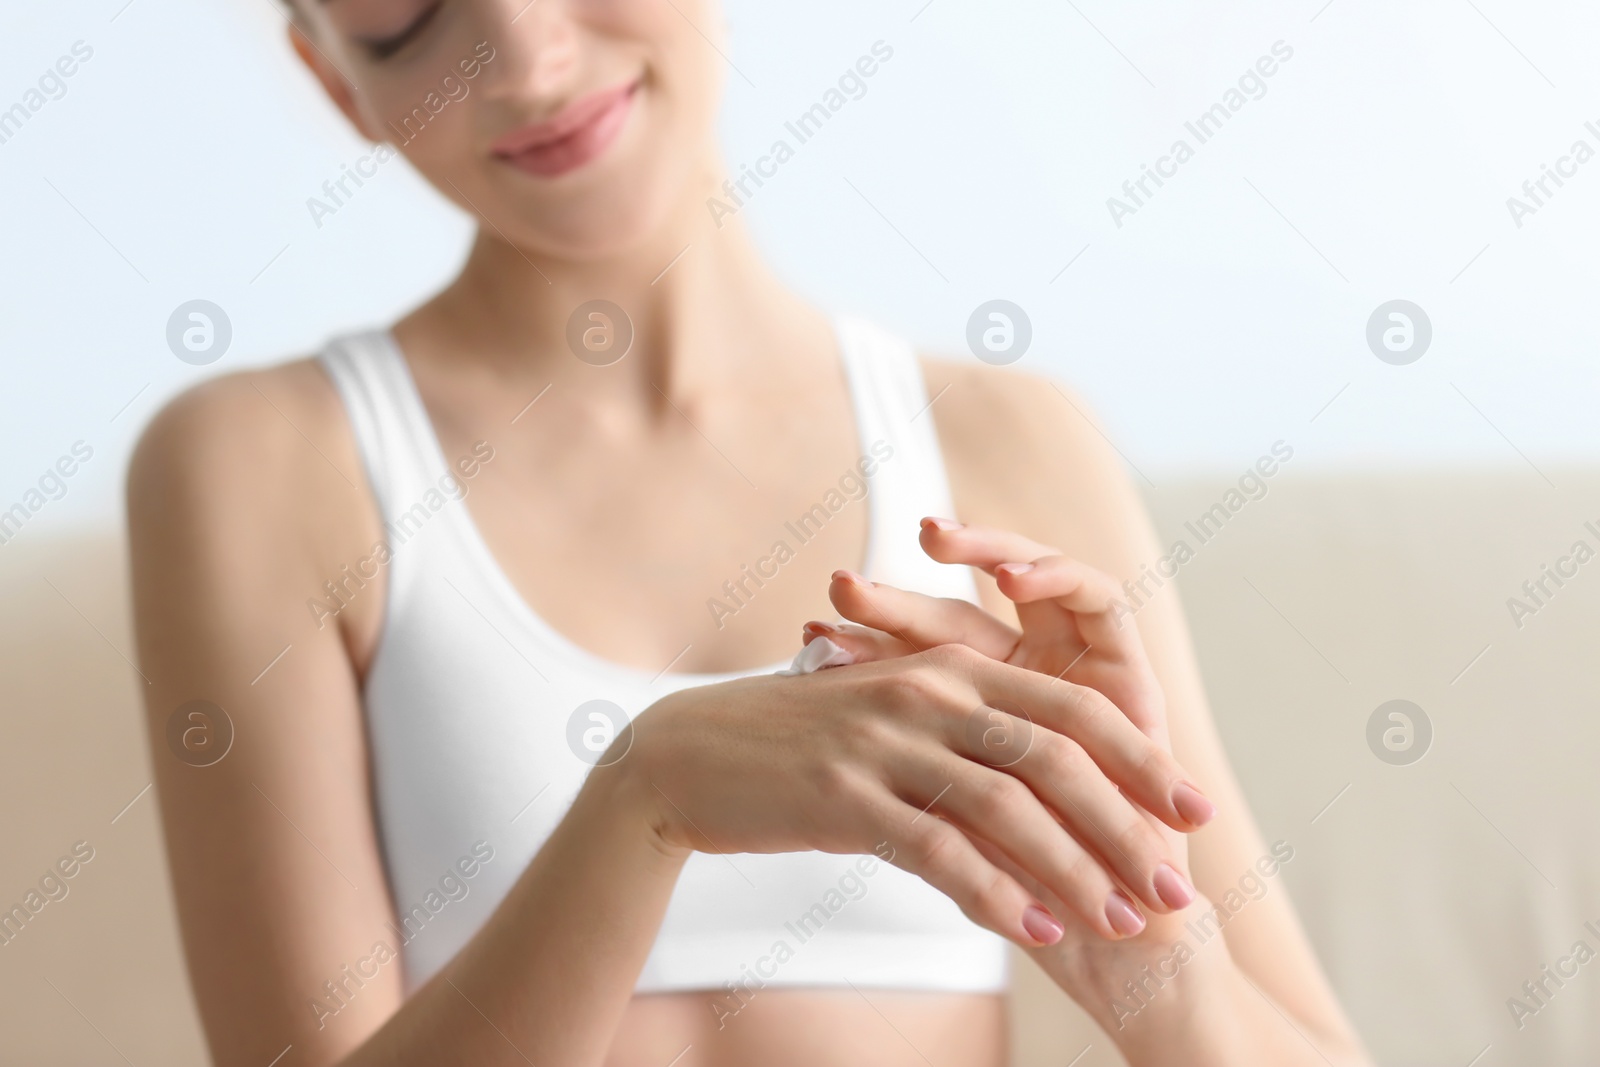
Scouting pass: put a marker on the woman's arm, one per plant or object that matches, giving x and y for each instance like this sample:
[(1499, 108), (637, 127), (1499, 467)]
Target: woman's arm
[(239, 509), (1212, 1013), (1171, 994), (1024, 455)]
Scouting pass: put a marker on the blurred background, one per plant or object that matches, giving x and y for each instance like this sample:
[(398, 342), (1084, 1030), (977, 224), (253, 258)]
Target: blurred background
[(1395, 153)]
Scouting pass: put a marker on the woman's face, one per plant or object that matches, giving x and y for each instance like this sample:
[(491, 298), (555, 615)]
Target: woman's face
[(573, 127)]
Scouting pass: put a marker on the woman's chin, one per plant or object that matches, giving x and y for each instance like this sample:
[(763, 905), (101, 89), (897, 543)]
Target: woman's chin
[(590, 230)]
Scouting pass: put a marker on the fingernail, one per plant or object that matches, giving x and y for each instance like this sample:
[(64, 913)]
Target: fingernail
[(1192, 804), (1015, 568), (1173, 889), (1122, 915), (1041, 925), (941, 524), (813, 630), (849, 576)]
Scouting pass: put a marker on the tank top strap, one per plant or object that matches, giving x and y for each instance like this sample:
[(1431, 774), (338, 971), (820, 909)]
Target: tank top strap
[(404, 465), (391, 428), (894, 419)]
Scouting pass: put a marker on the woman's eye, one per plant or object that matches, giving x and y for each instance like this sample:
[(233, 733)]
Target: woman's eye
[(384, 47)]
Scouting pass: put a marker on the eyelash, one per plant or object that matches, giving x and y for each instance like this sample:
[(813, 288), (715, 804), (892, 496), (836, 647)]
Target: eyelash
[(389, 46)]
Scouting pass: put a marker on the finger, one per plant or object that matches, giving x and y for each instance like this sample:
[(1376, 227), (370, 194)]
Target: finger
[(1125, 839), (989, 548), (1141, 767), (942, 856), (864, 644), (919, 620), (1090, 594), (995, 807), (984, 547), (1033, 885), (1072, 583)]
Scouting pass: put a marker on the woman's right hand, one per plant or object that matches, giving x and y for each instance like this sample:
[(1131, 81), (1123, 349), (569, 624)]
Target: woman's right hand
[(916, 758)]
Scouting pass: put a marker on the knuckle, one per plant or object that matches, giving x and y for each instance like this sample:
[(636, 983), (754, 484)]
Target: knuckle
[(1094, 710), (896, 690), (1059, 561), (1093, 577), (1062, 757), (1085, 878), (1155, 765), (932, 849), (870, 737), (1001, 797), (909, 687), (1140, 844), (952, 656), (834, 778), (990, 896)]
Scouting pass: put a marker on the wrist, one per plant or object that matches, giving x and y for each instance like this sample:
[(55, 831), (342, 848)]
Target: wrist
[(1179, 992), (623, 794), (1152, 982)]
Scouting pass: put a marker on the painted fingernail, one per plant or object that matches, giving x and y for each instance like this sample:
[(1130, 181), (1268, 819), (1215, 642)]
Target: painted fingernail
[(1014, 568), (813, 630), (1122, 915), (1173, 889), (945, 525), (1041, 925), (1192, 804)]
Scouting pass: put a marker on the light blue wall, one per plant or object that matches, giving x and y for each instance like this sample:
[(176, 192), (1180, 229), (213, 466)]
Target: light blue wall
[(1222, 316)]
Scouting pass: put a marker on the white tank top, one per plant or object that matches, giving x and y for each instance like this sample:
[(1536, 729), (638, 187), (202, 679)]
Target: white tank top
[(481, 726)]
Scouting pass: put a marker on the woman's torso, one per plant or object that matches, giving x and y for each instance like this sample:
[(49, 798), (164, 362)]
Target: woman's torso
[(577, 577)]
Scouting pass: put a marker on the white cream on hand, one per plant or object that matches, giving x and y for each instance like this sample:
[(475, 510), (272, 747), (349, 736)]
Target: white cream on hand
[(817, 655)]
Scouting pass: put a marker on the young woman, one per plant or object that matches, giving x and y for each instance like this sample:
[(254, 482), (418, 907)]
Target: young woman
[(487, 771)]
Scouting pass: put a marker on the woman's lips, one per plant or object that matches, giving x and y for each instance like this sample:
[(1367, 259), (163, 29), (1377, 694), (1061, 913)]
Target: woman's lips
[(579, 133)]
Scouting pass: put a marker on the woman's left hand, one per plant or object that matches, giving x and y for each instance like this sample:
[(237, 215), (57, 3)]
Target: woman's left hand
[(1075, 624)]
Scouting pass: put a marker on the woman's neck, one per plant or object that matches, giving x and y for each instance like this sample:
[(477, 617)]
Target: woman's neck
[(700, 300)]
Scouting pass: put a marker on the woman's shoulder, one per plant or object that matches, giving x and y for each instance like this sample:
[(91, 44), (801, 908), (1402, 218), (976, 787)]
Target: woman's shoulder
[(980, 401), (251, 456), (241, 431), (1026, 452)]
